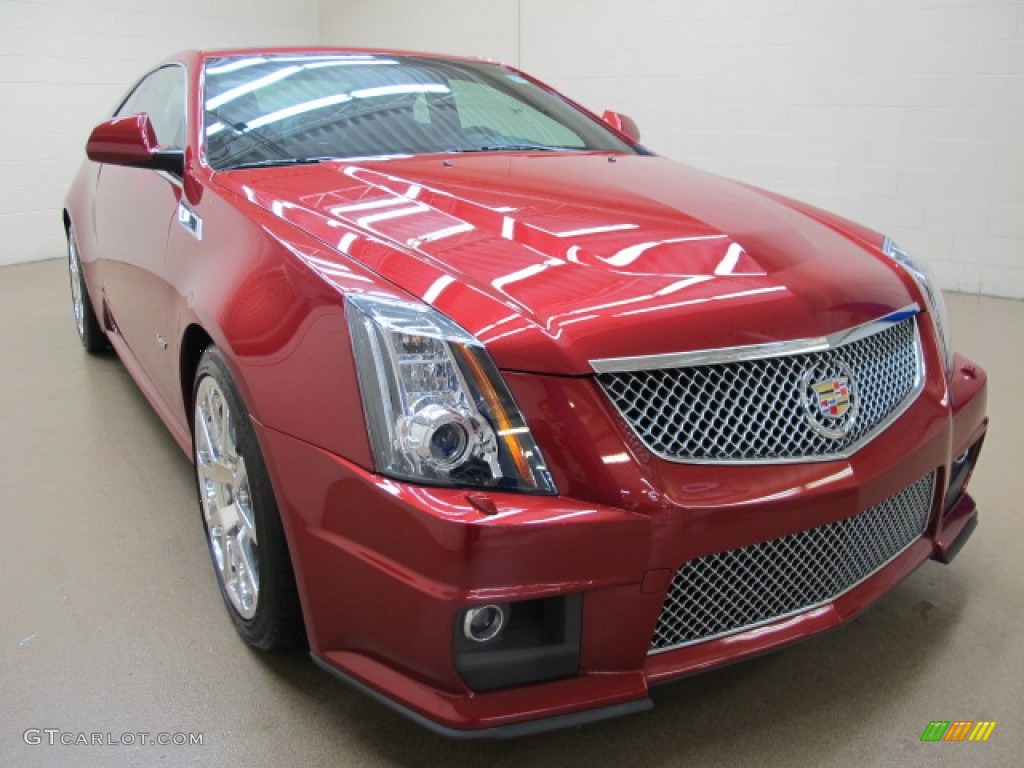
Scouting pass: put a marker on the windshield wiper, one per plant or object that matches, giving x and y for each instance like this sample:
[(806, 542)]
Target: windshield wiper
[(243, 129), (512, 148), (272, 162)]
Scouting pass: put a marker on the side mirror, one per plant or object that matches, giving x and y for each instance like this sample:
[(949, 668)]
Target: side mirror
[(132, 141), (623, 124)]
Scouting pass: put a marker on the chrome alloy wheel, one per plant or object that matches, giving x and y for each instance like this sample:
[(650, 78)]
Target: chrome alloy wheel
[(77, 299), (226, 500)]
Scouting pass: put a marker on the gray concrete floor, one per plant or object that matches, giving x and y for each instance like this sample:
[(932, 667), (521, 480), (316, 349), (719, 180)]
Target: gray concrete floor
[(110, 621)]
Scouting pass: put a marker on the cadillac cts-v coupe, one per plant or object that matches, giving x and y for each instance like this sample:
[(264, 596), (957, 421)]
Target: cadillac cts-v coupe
[(504, 415)]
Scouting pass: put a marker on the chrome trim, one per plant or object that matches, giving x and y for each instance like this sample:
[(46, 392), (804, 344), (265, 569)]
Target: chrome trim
[(175, 180), (752, 351)]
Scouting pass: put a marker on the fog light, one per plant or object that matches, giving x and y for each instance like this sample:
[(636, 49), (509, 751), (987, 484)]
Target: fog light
[(484, 623), (510, 644), (960, 474)]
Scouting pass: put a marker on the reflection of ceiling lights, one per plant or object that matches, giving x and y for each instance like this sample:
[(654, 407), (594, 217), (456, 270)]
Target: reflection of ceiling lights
[(366, 62), (235, 65), (595, 230), (354, 58), (281, 74), (627, 256), (397, 90), (306, 106), (252, 85), (704, 300), (298, 109)]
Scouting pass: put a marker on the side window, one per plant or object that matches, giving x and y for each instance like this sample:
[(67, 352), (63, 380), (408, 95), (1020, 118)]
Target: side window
[(161, 95), (487, 109)]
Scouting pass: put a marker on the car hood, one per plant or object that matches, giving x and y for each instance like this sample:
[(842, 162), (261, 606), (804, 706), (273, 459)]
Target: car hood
[(557, 259)]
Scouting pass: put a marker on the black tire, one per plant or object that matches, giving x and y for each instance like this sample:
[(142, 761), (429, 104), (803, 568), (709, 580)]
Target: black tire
[(253, 549), (90, 332)]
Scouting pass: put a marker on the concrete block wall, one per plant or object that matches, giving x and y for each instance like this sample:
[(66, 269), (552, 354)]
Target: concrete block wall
[(63, 66), (906, 115)]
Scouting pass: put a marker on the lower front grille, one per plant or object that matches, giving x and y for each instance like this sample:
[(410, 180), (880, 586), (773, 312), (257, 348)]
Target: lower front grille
[(741, 588)]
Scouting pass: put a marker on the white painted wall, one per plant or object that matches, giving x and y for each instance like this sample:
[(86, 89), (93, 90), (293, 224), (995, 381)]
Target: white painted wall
[(488, 28), (907, 115), (65, 63)]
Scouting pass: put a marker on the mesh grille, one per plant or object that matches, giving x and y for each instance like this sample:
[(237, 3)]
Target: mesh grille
[(755, 410), (741, 588)]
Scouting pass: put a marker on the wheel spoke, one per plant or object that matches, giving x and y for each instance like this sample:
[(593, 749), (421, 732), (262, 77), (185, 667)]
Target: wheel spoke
[(204, 443), (211, 509), (231, 520), (248, 571), (213, 420), (243, 501), (221, 473), (218, 550), (226, 433)]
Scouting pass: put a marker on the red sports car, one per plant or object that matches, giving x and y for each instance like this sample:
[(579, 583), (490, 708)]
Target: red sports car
[(506, 416)]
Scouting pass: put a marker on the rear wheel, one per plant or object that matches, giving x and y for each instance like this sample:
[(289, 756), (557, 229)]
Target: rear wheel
[(243, 527), (86, 323)]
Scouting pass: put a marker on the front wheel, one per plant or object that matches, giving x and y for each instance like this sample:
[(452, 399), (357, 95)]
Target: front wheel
[(243, 527), (86, 323)]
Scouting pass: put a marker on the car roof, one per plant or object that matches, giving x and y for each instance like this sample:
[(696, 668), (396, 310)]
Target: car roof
[(199, 55)]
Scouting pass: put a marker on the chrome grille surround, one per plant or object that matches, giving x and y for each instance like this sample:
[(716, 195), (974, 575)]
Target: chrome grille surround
[(747, 405), (740, 589)]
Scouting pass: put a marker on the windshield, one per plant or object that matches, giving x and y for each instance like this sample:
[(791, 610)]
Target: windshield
[(267, 110)]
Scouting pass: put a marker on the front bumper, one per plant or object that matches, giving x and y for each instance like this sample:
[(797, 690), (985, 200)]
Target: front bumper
[(385, 569)]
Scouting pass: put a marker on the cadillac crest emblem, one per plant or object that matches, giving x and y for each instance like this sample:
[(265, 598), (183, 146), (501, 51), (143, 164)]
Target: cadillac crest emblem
[(830, 400), (833, 396)]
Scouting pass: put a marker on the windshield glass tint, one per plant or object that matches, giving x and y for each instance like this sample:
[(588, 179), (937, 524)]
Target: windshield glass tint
[(264, 109)]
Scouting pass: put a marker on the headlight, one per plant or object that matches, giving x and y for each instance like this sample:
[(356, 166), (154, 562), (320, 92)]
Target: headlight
[(436, 407), (922, 274)]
